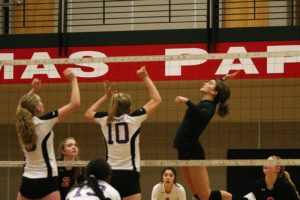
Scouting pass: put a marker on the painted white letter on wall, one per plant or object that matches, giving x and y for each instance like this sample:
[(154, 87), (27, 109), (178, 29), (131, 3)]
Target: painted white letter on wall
[(173, 68)]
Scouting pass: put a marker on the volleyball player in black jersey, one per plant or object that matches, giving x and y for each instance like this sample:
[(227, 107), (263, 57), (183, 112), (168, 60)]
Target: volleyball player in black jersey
[(69, 176), (275, 185), (197, 116)]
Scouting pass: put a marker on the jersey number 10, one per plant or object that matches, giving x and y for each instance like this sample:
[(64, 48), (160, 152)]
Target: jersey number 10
[(121, 129)]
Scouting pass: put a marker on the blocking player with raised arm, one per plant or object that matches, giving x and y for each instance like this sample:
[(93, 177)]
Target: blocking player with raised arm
[(39, 180), (121, 130)]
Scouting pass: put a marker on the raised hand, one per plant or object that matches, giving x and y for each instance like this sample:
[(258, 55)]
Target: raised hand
[(69, 74), (230, 76), (180, 99), (142, 72), (36, 85), (108, 89)]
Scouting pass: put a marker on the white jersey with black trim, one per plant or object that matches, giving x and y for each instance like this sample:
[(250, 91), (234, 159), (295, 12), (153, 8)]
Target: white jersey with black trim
[(41, 163), (86, 193), (159, 193), (122, 139)]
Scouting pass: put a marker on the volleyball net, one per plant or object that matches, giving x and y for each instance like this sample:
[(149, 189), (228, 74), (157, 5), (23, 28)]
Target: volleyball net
[(264, 109)]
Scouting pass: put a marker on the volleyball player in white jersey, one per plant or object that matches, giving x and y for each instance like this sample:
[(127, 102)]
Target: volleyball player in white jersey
[(168, 188), (96, 186), (121, 129), (39, 180)]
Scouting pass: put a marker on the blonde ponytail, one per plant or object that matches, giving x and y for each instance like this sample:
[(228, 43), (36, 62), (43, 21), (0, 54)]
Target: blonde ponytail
[(120, 104), (112, 109), (25, 128), (284, 174)]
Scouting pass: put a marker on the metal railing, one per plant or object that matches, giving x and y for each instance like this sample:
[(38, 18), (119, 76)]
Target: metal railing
[(51, 16), (260, 13)]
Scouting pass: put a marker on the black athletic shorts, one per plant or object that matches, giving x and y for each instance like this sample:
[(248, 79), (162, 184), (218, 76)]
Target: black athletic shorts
[(38, 188), (126, 182), (193, 152)]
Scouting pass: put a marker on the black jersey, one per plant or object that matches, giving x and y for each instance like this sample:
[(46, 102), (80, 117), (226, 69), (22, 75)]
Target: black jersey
[(67, 179), (195, 120), (282, 190)]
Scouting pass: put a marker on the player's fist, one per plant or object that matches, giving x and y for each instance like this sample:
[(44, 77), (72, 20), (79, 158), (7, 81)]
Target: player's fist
[(69, 74), (142, 72), (36, 84), (180, 99)]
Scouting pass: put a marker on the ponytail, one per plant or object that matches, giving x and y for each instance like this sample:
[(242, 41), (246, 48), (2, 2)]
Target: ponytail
[(223, 109), (284, 174), (97, 170), (24, 124), (120, 104), (223, 94), (92, 182), (113, 109)]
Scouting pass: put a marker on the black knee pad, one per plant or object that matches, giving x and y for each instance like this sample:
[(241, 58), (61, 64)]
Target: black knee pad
[(234, 197), (215, 195)]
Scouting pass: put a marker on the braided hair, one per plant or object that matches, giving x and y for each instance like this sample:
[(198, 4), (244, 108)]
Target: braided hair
[(97, 170)]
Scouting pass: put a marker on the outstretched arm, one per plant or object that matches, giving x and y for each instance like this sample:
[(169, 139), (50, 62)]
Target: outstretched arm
[(75, 96), (155, 99), (184, 100), (202, 112), (90, 113), (181, 100)]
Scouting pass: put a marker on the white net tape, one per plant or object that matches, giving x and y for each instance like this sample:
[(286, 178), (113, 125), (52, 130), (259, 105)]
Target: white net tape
[(117, 59), (177, 163)]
